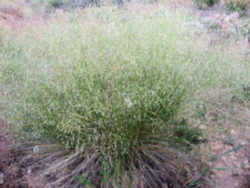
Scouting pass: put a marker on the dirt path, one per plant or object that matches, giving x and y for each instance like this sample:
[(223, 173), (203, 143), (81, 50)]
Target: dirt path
[(226, 124), (232, 169)]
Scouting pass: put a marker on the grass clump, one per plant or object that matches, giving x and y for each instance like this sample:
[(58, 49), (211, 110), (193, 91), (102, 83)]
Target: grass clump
[(239, 6), (115, 99), (114, 112)]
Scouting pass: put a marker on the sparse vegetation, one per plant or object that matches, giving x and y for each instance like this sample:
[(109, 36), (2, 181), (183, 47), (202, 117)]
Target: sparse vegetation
[(239, 6)]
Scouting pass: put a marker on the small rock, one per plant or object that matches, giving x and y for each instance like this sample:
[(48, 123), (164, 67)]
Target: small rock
[(232, 17), (236, 184), (233, 132), (202, 140), (1, 178), (29, 171), (203, 127), (243, 143)]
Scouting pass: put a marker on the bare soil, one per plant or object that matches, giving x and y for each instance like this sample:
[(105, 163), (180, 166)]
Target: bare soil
[(12, 175), (226, 125)]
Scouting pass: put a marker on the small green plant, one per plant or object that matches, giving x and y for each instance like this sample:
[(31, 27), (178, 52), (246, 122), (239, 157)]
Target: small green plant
[(83, 181), (201, 111), (239, 6), (186, 135), (229, 141), (246, 92), (214, 26), (205, 3)]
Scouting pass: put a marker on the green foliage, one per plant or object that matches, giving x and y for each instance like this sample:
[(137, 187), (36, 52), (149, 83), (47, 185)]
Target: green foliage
[(187, 135), (55, 3), (83, 181), (246, 92), (205, 3), (50, 5), (201, 111), (229, 141), (237, 6), (111, 111), (13, 70), (111, 91), (1, 35)]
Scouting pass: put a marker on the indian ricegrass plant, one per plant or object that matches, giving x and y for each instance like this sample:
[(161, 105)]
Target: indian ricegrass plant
[(115, 99), (109, 89)]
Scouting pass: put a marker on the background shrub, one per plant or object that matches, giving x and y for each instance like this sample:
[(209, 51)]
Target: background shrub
[(239, 6), (55, 3), (205, 3)]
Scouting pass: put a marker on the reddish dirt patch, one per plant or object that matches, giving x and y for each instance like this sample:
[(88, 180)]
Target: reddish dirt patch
[(231, 170), (230, 148), (11, 173), (11, 11), (13, 17)]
